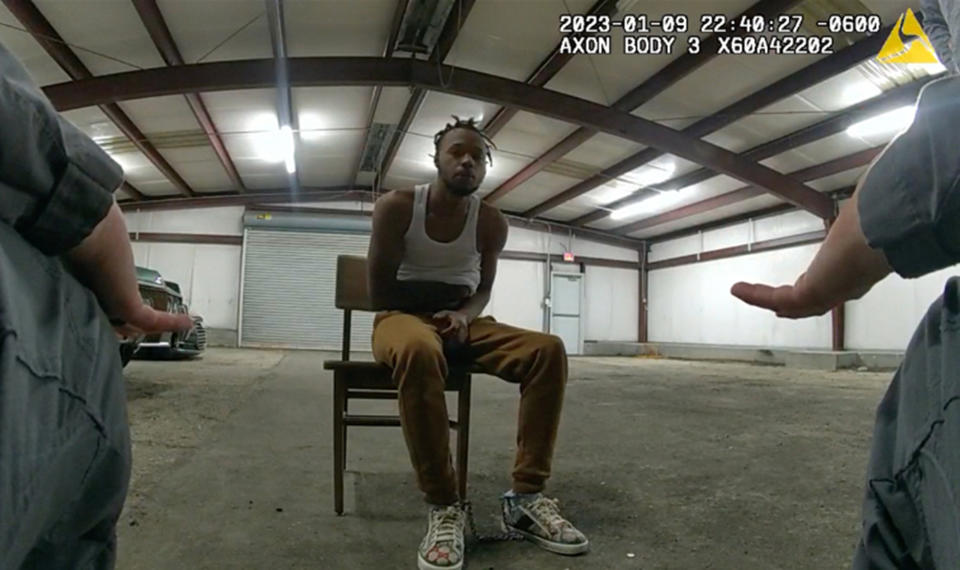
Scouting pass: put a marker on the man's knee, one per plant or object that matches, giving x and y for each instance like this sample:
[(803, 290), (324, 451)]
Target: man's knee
[(417, 361), (417, 349), (545, 345), (553, 345), (537, 354)]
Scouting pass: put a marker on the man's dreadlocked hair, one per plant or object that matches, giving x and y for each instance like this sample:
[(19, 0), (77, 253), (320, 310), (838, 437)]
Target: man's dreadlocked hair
[(469, 124)]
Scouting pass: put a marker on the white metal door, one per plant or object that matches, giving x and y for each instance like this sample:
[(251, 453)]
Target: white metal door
[(287, 296), (566, 302)]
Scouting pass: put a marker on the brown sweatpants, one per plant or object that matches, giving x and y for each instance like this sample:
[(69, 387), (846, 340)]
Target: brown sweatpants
[(410, 346)]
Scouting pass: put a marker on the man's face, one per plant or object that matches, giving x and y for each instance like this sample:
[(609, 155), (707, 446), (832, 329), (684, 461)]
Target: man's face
[(461, 161)]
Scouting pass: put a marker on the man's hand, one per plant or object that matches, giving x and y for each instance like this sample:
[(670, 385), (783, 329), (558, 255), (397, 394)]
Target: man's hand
[(452, 326), (791, 301), (845, 268), (145, 320), (104, 263)]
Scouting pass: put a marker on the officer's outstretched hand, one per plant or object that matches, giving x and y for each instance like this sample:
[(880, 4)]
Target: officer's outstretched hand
[(104, 263)]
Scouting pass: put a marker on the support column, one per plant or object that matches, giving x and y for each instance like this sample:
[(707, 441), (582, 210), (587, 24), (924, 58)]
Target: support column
[(837, 314), (642, 317)]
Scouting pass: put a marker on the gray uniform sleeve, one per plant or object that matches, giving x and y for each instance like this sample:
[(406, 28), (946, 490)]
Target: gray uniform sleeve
[(909, 202), (56, 184), (935, 26)]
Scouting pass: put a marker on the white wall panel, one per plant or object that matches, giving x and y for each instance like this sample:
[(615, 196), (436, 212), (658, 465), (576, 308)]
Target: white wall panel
[(208, 275), (353, 206), (518, 294), (692, 303), (221, 221), (725, 237), (772, 227), (216, 285), (886, 317), (612, 308), (522, 239), (784, 225), (674, 248)]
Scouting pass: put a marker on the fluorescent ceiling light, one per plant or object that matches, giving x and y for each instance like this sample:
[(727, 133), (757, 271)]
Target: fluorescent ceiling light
[(611, 192), (312, 126), (647, 205), (653, 174), (271, 142), (891, 121), (288, 148), (265, 131)]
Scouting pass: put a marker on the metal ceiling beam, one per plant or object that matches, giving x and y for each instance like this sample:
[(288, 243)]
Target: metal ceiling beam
[(43, 32), (547, 69), (832, 125), (131, 189), (350, 193), (156, 26), (805, 78), (659, 82), (451, 28), (442, 78), (387, 52), (417, 95), (815, 172), (193, 239), (841, 194), (285, 114)]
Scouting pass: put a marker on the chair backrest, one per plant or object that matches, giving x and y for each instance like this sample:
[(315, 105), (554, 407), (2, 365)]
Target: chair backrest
[(352, 293)]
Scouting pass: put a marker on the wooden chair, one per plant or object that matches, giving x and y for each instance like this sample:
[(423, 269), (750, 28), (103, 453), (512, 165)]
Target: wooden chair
[(372, 381)]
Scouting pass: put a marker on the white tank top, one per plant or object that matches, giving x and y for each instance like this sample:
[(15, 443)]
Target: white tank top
[(425, 259)]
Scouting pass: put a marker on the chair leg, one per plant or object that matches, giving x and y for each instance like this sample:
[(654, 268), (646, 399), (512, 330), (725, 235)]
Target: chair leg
[(343, 450), (463, 435), (339, 441)]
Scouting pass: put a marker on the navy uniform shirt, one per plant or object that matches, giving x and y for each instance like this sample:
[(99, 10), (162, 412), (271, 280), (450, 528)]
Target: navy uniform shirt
[(56, 184), (909, 202), (941, 23)]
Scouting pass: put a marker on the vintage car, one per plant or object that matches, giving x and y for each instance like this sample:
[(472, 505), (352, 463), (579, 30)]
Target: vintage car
[(165, 296)]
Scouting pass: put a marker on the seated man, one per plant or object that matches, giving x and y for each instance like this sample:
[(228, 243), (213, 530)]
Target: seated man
[(433, 260)]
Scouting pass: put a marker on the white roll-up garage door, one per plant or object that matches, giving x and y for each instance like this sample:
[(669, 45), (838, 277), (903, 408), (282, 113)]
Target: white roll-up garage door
[(289, 280)]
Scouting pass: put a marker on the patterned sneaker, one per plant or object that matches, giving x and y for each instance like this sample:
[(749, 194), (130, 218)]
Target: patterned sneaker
[(442, 546), (538, 519)]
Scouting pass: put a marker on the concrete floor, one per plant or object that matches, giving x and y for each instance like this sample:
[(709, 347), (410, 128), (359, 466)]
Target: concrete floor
[(663, 464)]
